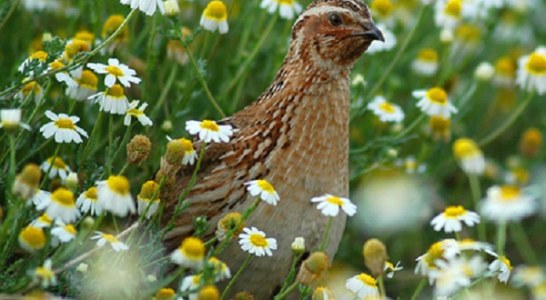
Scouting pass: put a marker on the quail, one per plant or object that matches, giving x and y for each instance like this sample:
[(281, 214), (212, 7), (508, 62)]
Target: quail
[(295, 135)]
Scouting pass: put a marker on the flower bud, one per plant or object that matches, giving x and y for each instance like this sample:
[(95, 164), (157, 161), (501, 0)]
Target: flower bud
[(298, 246), (228, 222), (484, 71), (28, 181), (72, 181), (313, 268), (82, 268), (208, 292), (138, 149), (531, 142), (171, 8), (88, 223), (165, 294), (375, 256), (322, 293), (167, 126)]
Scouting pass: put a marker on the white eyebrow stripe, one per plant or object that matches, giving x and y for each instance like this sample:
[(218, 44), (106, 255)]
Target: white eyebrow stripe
[(317, 10)]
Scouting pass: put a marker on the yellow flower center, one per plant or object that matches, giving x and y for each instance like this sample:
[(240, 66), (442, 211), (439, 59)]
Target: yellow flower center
[(65, 123), (367, 279), (382, 7), (468, 33), (453, 8), (31, 174), (40, 55), (454, 211), (193, 247), (116, 71), (216, 10), (436, 251), (439, 123), (286, 2), (135, 112), (88, 79), (209, 292), (70, 229), (75, 47), (63, 196), (165, 294), (505, 261), (536, 64), (32, 86), (334, 200), (118, 184), (187, 145), (210, 125), (505, 66), (56, 64), (58, 163), (111, 24), (510, 192), (115, 91), (428, 55), (44, 218), (148, 189), (464, 148), (45, 273), (258, 240), (437, 95), (265, 186), (110, 238), (33, 236), (387, 107), (85, 35), (91, 194)]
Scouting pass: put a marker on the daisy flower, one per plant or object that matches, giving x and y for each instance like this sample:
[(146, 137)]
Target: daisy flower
[(38, 56), (386, 45), (11, 119), (434, 102), (426, 63), (391, 268), (215, 17), (386, 111), (86, 84), (115, 71), (190, 155), (530, 276), (505, 71), (63, 206), (32, 238), (452, 218), (63, 127), (88, 202), (62, 76), (507, 203), (45, 274), (114, 196), (31, 89), (452, 275), (103, 238), (42, 221), (191, 283), (363, 285), (531, 74), (63, 232), (448, 13), (255, 242), (221, 270), (502, 267), (148, 198), (190, 253), (138, 113), (148, 7), (288, 8), (470, 244), (55, 166), (329, 205), (264, 190), (210, 131), (112, 100), (445, 249), (440, 128), (469, 156)]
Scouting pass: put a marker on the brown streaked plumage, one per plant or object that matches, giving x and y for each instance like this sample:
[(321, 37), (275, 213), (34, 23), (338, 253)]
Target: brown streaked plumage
[(295, 136)]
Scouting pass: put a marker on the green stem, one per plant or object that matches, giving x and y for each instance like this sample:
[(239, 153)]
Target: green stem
[(239, 272), (476, 197), (203, 83), (324, 241), (110, 144), (91, 139), (165, 91), (501, 238), (287, 291), (10, 12), (508, 121), (419, 289), (291, 274), (523, 244), (12, 159), (381, 285), (411, 126)]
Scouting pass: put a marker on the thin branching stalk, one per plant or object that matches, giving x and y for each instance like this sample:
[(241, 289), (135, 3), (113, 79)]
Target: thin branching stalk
[(245, 264)]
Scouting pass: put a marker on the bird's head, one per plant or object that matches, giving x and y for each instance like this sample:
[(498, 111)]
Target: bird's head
[(334, 32)]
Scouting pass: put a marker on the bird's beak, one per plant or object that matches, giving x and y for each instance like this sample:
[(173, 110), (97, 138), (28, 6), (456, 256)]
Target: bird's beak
[(373, 33)]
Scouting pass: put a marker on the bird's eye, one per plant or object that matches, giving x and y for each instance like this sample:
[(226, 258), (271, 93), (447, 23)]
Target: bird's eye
[(335, 19)]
